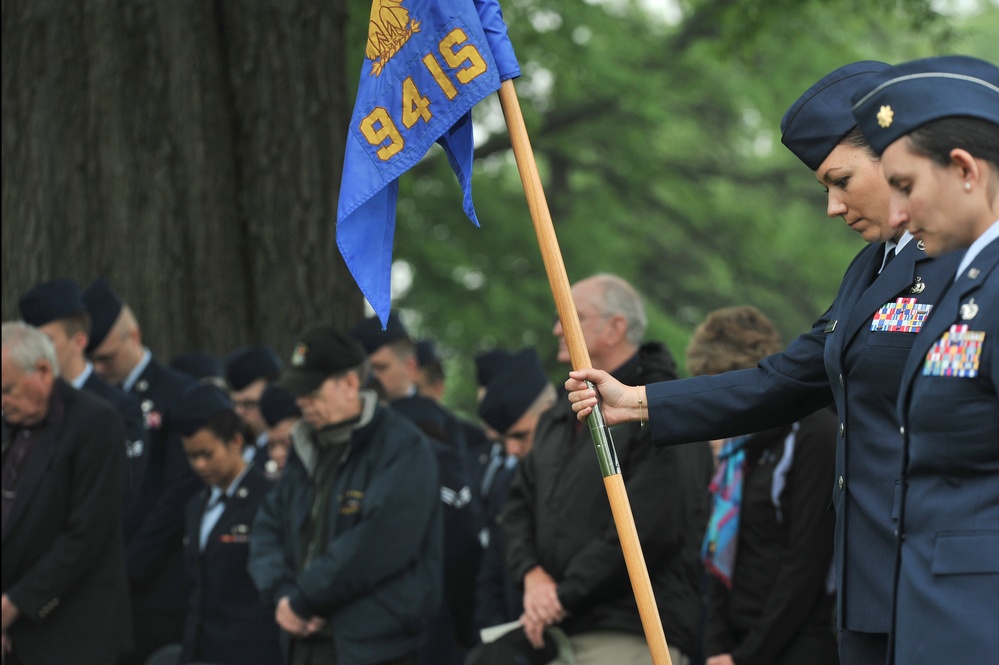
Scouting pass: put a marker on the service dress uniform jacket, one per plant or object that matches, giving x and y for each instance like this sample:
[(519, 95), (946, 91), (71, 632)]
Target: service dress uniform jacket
[(852, 356), (227, 622), (947, 589), (62, 545)]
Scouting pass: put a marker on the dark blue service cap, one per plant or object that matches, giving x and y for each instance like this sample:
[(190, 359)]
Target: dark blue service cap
[(371, 336), (198, 406), (909, 95), (488, 363), (50, 301), (821, 117), (426, 352), (249, 363), (276, 404), (319, 353), (104, 306), (512, 390), (199, 364)]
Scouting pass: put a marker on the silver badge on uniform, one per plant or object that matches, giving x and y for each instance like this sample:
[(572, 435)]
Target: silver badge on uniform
[(918, 286), (973, 273), (133, 449), (147, 405), (142, 386), (969, 310), (920, 245), (242, 493)]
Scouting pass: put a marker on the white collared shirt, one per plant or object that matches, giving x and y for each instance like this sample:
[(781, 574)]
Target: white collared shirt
[(137, 371), (991, 233), (82, 377), (215, 507)]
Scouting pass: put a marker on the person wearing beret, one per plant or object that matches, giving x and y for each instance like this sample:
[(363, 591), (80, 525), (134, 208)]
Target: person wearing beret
[(769, 543), (227, 624), (56, 308), (936, 123), (514, 400), (65, 598), (392, 355), (204, 366), (347, 548), (562, 547), (154, 522), (281, 414), (852, 357), (250, 369)]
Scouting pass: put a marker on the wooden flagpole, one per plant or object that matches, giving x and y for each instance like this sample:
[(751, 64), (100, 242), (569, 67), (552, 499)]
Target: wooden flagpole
[(573, 331)]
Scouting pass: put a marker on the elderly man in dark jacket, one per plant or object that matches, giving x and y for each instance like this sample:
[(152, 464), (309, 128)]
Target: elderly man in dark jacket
[(349, 544), (563, 547)]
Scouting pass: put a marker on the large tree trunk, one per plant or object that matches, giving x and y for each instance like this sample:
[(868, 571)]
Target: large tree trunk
[(190, 151)]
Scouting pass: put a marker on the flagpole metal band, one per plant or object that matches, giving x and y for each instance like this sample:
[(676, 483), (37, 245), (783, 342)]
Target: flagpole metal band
[(602, 441)]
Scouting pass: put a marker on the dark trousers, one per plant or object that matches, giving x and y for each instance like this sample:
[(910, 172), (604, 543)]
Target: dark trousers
[(321, 651), (856, 648), (152, 631)]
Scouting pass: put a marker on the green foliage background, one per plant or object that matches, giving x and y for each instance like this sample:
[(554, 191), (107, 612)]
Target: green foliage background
[(658, 136)]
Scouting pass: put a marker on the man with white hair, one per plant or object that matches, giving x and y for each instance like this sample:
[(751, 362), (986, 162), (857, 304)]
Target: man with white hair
[(64, 595)]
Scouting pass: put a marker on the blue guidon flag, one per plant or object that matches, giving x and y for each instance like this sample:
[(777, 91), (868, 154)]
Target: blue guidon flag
[(428, 62)]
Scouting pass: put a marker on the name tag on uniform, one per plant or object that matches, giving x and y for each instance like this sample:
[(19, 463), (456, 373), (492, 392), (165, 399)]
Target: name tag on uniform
[(903, 315), (957, 353)]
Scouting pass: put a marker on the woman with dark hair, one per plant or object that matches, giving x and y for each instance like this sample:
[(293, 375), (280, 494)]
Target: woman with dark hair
[(853, 356), (937, 122), (769, 543), (227, 624)]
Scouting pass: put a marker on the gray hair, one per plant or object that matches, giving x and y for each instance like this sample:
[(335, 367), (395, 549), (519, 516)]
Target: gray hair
[(27, 345), (620, 297)]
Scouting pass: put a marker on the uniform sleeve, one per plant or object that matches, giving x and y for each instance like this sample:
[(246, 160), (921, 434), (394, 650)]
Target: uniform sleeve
[(782, 389), (805, 567), (94, 497), (399, 506)]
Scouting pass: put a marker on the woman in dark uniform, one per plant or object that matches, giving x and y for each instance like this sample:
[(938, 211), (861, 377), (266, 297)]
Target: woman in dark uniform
[(853, 356), (937, 122), (227, 624)]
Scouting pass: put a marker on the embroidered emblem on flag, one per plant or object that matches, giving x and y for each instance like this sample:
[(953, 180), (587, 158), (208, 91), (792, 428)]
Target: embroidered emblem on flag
[(957, 353), (903, 315)]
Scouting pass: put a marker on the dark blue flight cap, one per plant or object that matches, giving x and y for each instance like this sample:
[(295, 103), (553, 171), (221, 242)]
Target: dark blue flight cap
[(821, 117), (199, 364), (371, 336), (198, 406), (249, 363), (426, 352), (104, 306), (489, 363), (909, 95), (276, 404), (50, 301), (512, 390)]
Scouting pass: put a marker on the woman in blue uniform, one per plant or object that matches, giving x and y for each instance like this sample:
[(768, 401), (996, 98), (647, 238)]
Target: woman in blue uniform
[(853, 356), (937, 122), (227, 624)]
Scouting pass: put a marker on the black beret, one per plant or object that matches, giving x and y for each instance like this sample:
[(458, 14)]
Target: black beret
[(319, 353), (249, 363), (512, 390), (488, 363), (821, 117), (372, 337), (50, 301), (909, 95), (104, 306), (276, 404), (199, 364), (198, 406)]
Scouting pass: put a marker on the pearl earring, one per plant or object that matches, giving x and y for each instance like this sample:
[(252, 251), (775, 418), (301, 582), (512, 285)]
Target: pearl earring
[(967, 186)]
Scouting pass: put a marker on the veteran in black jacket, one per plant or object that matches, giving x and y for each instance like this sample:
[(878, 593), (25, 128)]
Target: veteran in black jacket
[(64, 592)]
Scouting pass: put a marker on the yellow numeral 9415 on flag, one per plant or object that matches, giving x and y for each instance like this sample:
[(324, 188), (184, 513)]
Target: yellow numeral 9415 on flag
[(378, 126)]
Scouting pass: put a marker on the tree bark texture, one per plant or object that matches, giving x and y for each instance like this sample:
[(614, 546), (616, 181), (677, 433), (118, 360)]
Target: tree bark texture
[(190, 151)]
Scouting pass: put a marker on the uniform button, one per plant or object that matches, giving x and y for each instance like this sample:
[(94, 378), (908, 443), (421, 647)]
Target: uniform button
[(842, 429), (842, 482), (841, 381), (901, 430)]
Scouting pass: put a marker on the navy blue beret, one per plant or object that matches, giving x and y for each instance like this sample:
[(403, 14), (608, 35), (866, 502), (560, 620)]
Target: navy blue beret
[(488, 363), (50, 301), (276, 404), (512, 390), (198, 406), (372, 337), (426, 352), (199, 364), (249, 363), (909, 95), (104, 306), (821, 117)]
